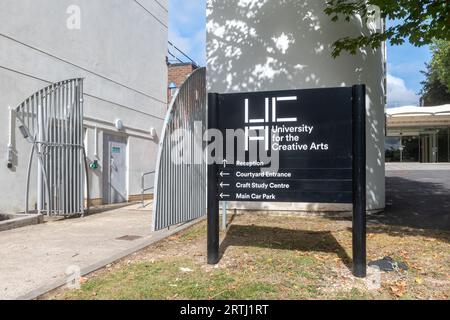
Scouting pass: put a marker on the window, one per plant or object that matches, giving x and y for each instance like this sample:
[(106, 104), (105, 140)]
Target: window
[(443, 141), (392, 148)]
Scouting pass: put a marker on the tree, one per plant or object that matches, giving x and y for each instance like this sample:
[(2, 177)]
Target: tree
[(433, 92), (441, 61), (421, 22), (436, 87)]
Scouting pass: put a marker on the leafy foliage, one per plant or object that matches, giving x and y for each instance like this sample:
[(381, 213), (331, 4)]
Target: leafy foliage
[(441, 61), (421, 22), (436, 87)]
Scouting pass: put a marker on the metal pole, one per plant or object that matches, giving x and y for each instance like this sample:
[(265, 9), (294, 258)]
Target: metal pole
[(359, 181), (71, 132), (224, 216), (64, 160), (51, 149), (46, 183), (84, 183), (420, 148), (75, 154), (401, 149), (27, 195), (435, 150), (59, 149), (40, 178), (54, 199), (10, 138), (142, 190), (213, 203)]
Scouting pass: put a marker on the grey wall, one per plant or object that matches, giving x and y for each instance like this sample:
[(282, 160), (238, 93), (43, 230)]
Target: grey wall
[(120, 50), (258, 45)]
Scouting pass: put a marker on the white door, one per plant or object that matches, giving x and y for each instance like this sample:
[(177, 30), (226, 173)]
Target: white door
[(115, 173)]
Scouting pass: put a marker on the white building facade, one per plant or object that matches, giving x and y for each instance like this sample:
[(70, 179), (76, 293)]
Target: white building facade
[(270, 45), (119, 47)]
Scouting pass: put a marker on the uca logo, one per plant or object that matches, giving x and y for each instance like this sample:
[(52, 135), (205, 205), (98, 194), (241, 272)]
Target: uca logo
[(257, 125)]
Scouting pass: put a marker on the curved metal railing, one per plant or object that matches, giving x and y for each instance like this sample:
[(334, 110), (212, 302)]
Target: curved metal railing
[(52, 121), (180, 182)]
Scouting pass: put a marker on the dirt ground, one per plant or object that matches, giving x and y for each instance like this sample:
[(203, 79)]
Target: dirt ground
[(277, 257)]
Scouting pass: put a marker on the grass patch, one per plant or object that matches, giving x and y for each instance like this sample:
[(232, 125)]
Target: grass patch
[(194, 233), (267, 257), (165, 280)]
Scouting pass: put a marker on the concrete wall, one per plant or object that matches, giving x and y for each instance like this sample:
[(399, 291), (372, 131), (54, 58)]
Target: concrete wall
[(259, 45), (120, 50)]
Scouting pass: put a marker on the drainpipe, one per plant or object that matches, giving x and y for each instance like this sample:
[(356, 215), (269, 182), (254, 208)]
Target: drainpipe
[(96, 142), (9, 156)]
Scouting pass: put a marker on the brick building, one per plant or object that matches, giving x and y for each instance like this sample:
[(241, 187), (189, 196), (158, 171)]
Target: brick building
[(178, 73)]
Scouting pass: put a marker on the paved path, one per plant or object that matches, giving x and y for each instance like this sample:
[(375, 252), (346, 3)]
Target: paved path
[(34, 259), (418, 196)]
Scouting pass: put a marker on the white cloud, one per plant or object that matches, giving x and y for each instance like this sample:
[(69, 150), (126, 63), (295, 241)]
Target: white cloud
[(398, 94), (193, 45), (187, 28)]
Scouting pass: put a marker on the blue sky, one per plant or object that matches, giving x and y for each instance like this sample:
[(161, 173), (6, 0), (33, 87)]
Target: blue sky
[(404, 65), (187, 23), (187, 31)]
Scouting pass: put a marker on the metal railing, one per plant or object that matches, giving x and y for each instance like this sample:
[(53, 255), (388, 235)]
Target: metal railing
[(180, 187), (178, 56), (143, 188), (52, 121)]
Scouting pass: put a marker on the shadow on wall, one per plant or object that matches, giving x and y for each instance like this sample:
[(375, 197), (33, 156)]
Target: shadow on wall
[(256, 45), (265, 42)]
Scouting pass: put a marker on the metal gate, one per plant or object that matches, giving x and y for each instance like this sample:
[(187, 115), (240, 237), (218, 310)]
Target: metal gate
[(52, 121), (180, 184)]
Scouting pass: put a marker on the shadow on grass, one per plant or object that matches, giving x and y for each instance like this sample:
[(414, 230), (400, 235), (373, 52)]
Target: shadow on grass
[(398, 231), (419, 200), (377, 225), (283, 239), (417, 204)]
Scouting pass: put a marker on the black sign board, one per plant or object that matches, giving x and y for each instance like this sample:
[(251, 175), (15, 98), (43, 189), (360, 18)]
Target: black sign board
[(312, 142), (290, 146)]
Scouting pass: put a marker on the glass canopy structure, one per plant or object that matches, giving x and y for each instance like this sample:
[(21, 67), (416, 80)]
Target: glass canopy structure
[(418, 134)]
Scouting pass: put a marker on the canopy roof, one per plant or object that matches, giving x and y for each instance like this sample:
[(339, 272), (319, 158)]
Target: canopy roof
[(411, 111)]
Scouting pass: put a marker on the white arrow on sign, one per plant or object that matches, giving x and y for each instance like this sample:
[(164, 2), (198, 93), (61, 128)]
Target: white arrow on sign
[(223, 174), (224, 185), (225, 162), (222, 195)]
